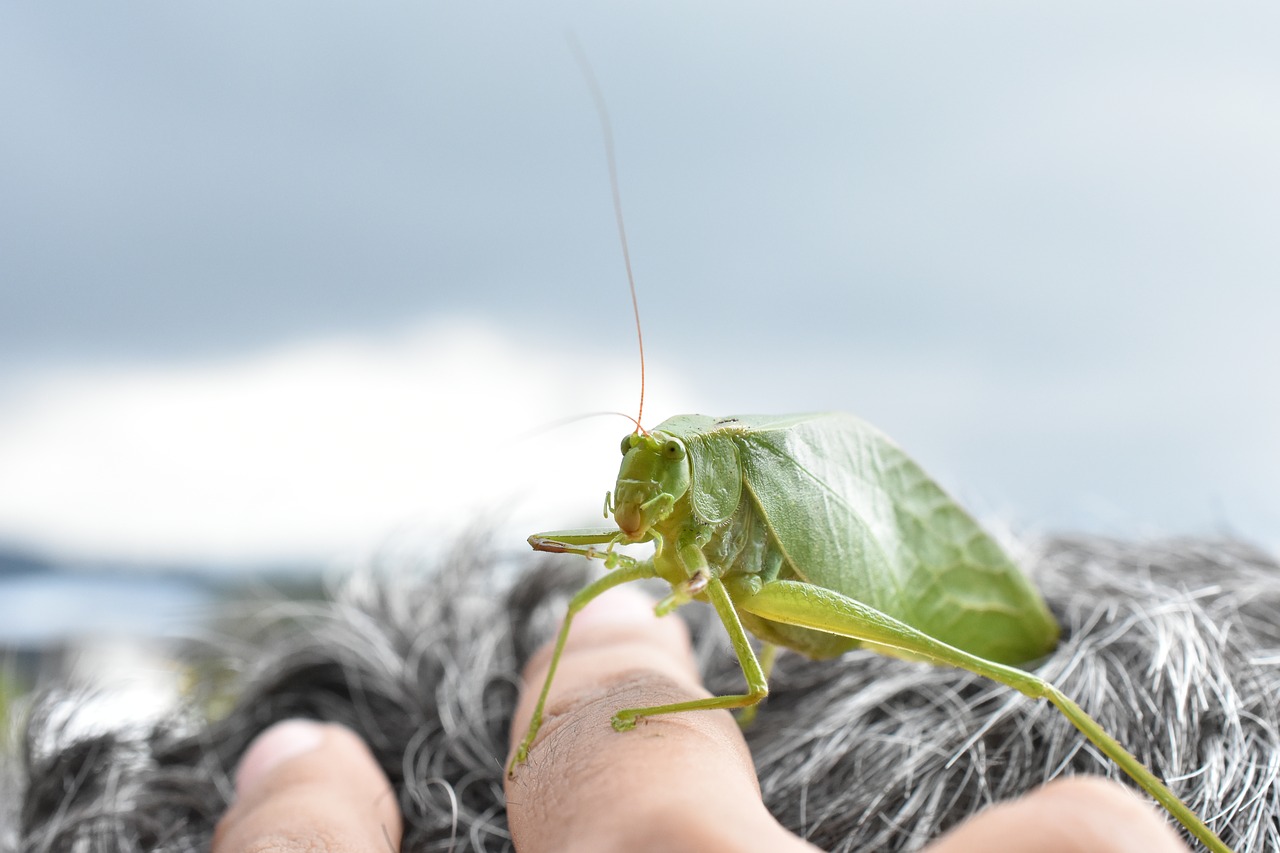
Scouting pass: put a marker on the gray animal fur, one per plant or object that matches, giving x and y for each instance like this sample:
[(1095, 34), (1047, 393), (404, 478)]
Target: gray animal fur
[(1173, 646)]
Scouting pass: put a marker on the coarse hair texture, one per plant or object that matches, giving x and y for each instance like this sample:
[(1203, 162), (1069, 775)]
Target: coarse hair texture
[(1173, 646)]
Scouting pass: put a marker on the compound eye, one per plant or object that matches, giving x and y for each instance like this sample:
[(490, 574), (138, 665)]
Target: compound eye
[(673, 450), (626, 442)]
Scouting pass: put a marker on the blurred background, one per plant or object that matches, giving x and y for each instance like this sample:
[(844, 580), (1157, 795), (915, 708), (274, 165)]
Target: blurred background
[(286, 286)]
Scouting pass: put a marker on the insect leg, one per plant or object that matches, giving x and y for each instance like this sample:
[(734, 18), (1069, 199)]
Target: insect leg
[(757, 685), (626, 574), (582, 543), (768, 654), (803, 604), (555, 541)]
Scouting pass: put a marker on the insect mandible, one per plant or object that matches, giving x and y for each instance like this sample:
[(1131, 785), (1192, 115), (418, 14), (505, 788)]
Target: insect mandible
[(817, 533)]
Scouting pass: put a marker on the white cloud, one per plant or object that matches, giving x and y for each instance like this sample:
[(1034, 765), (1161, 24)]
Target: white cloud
[(314, 450)]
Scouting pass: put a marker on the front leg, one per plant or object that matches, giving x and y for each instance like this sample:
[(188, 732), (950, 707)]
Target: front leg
[(582, 542)]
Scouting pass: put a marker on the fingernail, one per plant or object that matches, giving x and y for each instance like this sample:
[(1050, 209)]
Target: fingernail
[(275, 746), (622, 605)]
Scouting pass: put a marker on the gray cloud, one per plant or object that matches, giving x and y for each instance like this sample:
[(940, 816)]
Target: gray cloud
[(1067, 211)]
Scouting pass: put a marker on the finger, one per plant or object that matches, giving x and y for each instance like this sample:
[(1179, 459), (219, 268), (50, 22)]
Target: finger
[(1073, 815), (675, 782), (304, 786)]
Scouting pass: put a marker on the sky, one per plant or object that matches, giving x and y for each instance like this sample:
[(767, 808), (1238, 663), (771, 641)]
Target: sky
[(293, 282)]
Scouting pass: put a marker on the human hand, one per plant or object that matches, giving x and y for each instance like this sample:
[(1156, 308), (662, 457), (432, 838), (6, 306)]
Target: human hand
[(686, 781), (674, 783)]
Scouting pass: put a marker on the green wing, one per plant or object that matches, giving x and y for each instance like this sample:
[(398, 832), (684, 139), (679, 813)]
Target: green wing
[(854, 514)]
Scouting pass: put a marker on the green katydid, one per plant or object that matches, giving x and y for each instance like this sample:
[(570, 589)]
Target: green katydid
[(819, 534)]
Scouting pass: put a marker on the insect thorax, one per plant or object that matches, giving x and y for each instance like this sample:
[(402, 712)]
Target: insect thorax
[(742, 545)]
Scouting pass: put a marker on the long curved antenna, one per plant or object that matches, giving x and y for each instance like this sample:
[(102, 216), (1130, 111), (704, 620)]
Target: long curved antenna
[(573, 419), (603, 112)]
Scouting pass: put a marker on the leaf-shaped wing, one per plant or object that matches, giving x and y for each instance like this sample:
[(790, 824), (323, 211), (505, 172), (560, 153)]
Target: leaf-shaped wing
[(853, 513)]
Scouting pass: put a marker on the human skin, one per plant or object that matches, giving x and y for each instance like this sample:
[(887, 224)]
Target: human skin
[(676, 783)]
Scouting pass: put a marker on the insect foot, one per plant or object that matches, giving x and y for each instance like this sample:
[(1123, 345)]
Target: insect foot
[(623, 722), (521, 757), (547, 545)]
